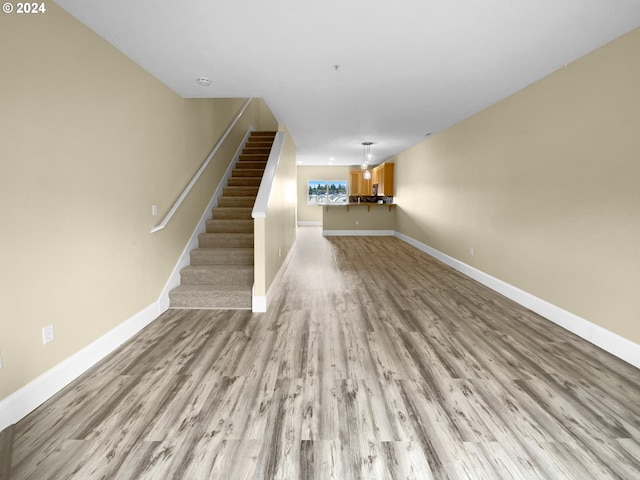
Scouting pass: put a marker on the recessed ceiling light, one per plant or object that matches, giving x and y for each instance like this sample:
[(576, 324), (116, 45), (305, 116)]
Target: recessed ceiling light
[(205, 82)]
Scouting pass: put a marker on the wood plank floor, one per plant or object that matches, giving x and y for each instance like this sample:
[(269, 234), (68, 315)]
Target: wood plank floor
[(375, 361)]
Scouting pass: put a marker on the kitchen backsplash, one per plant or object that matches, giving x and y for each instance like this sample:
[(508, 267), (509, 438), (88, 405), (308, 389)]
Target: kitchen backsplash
[(369, 199)]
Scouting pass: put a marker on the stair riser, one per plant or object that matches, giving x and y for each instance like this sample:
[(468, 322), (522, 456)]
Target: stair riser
[(218, 275), (217, 300), (231, 240), (255, 150), (223, 213), (252, 158), (262, 133), (257, 143), (248, 172), (229, 226), (244, 181), (236, 201), (239, 191), (251, 163), (213, 256)]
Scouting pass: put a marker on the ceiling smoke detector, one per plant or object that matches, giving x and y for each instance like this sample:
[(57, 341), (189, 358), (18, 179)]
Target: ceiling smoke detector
[(205, 82)]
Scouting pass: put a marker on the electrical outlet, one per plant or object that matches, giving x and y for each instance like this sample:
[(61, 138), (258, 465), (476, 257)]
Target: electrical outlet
[(471, 252), (154, 210), (357, 222), (47, 334), (0, 359)]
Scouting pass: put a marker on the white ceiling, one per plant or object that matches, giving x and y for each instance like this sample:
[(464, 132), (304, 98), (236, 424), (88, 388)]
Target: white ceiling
[(406, 68)]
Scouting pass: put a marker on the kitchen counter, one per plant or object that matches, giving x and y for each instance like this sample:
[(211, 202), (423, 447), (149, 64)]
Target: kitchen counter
[(369, 205), (365, 218)]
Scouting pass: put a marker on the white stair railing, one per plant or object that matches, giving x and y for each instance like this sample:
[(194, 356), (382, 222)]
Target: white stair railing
[(202, 168)]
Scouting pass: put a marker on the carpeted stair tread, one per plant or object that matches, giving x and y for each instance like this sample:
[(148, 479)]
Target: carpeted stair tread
[(206, 296), (236, 275), (252, 164), (221, 256), (244, 191), (259, 143), (248, 172), (263, 133), (236, 201), (253, 157), (244, 181), (256, 150), (231, 212), (233, 225), (236, 240)]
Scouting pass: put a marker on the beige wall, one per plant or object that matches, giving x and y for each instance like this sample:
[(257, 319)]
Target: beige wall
[(545, 186), (313, 213), (88, 142), (280, 224)]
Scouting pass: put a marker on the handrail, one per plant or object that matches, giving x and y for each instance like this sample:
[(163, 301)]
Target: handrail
[(197, 175), (264, 192)]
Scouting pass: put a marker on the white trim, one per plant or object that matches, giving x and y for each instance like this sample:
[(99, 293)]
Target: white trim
[(309, 224), (611, 342), (357, 233), (22, 402), (201, 227), (204, 165), (266, 184), (258, 303)]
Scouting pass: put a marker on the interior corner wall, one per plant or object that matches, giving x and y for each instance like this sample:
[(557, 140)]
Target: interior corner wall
[(313, 213), (89, 141), (544, 186), (266, 120)]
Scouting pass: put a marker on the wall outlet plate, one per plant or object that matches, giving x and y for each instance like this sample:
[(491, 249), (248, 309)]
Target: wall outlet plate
[(47, 334)]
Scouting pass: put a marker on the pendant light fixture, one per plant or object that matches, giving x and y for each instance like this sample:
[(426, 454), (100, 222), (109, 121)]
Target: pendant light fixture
[(366, 158)]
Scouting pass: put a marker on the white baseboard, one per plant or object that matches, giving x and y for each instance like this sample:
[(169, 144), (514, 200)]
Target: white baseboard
[(613, 343), (22, 402), (357, 233), (310, 224), (258, 302)]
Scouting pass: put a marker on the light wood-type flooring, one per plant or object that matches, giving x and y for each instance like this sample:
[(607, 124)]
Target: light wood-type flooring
[(375, 361)]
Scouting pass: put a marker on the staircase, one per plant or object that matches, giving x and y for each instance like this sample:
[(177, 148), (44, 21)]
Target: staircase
[(221, 271)]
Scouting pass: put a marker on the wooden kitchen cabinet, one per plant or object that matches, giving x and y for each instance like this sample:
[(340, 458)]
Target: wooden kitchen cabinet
[(358, 185), (383, 176)]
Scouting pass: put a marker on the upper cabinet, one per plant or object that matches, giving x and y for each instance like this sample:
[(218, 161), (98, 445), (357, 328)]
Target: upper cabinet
[(358, 185), (382, 175)]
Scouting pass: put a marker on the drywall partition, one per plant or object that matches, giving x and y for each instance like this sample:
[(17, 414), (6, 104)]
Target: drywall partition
[(275, 225), (89, 141), (541, 189)]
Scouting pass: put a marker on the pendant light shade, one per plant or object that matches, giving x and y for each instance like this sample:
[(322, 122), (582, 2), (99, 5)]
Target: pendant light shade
[(366, 155)]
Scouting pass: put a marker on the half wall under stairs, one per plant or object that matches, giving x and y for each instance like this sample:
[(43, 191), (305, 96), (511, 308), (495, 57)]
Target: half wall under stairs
[(221, 271)]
